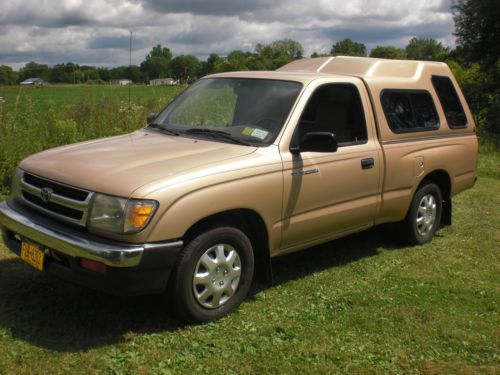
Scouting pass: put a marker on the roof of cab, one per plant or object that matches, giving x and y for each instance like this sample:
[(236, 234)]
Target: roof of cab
[(302, 77)]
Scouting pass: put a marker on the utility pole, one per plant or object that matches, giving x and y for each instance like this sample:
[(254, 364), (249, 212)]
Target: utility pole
[(130, 69)]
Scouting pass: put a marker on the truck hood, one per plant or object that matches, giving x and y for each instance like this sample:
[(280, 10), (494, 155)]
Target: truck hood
[(120, 165)]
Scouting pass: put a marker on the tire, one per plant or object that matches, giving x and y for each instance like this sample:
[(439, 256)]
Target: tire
[(424, 216), (213, 274)]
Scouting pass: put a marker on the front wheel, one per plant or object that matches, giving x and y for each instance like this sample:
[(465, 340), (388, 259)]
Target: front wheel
[(424, 216), (213, 274)]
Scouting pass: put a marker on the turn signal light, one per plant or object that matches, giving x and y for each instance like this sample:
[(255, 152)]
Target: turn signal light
[(140, 215)]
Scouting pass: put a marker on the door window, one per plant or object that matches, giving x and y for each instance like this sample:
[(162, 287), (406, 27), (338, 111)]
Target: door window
[(334, 108)]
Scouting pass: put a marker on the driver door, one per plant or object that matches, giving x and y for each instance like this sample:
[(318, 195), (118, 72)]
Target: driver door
[(327, 194)]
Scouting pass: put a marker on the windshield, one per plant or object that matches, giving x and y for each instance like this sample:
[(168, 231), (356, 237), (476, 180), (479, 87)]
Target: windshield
[(237, 110)]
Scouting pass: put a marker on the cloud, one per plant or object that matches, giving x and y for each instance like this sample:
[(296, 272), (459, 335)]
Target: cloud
[(213, 8), (110, 42), (97, 31)]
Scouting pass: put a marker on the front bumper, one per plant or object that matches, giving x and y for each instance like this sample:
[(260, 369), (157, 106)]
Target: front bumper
[(131, 268)]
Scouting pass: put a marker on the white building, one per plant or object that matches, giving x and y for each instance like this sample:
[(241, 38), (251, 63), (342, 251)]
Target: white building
[(122, 82)]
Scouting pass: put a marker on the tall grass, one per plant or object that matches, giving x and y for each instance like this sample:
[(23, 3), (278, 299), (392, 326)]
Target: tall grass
[(35, 120)]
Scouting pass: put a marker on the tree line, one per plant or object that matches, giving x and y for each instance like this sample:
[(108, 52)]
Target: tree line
[(160, 62)]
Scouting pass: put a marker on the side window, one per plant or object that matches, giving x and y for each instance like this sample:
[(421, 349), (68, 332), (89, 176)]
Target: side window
[(335, 108), (409, 110), (448, 97)]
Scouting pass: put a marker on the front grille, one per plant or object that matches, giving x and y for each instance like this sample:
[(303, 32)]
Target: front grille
[(61, 210), (66, 191), (60, 201)]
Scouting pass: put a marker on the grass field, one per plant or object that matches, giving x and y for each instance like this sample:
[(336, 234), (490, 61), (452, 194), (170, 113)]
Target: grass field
[(360, 305), (66, 95), (34, 119)]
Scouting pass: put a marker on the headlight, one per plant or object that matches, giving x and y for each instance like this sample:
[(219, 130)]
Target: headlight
[(120, 215)]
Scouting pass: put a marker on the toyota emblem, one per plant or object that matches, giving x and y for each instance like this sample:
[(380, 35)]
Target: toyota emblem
[(46, 193)]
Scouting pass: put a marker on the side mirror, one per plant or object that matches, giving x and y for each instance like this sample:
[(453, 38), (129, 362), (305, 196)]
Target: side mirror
[(316, 142), (151, 117)]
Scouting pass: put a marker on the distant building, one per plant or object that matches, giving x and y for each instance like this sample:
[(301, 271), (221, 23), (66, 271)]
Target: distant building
[(32, 82), (163, 82), (122, 82)]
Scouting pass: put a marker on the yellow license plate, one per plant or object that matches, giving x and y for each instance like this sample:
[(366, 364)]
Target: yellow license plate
[(32, 255)]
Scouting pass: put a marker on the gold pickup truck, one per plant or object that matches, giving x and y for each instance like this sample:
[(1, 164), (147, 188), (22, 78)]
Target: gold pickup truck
[(243, 167)]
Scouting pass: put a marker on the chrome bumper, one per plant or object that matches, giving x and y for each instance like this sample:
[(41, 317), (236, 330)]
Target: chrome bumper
[(110, 253)]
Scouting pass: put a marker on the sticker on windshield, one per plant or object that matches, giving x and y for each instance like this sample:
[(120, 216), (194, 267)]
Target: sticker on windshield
[(247, 131), (258, 133)]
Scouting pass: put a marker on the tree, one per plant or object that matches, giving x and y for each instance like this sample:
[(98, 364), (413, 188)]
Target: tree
[(288, 47), (157, 63), (7, 75), (471, 82), (347, 47), (284, 47), (119, 72), (387, 52), (185, 68), (477, 28), (34, 70), (66, 73), (277, 53), (255, 62), (426, 49), (214, 64), (135, 74), (236, 61), (90, 73), (316, 54), (104, 74), (132, 73)]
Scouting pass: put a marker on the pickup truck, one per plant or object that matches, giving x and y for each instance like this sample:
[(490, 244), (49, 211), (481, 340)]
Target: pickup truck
[(242, 167)]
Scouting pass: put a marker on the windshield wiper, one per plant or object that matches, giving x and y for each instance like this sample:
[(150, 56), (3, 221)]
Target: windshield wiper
[(160, 128), (218, 134)]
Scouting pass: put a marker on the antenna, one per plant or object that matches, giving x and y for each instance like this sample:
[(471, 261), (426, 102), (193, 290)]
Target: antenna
[(130, 69)]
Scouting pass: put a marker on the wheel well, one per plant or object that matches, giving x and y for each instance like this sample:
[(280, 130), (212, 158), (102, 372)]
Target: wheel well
[(252, 224), (442, 179)]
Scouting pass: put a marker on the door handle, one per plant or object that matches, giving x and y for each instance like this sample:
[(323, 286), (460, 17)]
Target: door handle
[(367, 163)]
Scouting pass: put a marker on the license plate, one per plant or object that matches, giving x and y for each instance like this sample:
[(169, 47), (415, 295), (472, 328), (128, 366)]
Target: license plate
[(32, 255)]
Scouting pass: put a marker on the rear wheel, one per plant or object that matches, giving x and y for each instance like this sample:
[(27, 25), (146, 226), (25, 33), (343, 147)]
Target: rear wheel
[(213, 274), (424, 216)]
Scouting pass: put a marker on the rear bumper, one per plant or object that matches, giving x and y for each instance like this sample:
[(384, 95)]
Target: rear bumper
[(132, 269)]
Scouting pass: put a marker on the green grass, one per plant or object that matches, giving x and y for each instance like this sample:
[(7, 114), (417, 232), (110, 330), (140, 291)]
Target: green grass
[(20, 98), (34, 119), (359, 305), (488, 164), (363, 304)]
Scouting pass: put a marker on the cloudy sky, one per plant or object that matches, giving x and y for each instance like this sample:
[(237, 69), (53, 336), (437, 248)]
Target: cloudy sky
[(96, 32)]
